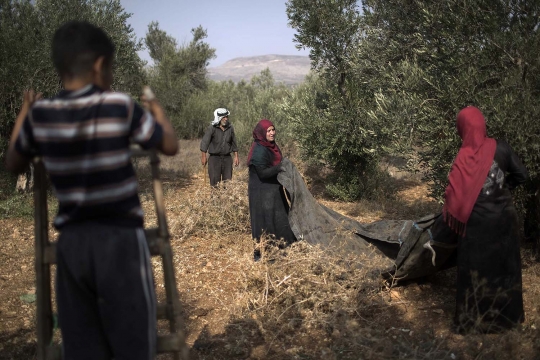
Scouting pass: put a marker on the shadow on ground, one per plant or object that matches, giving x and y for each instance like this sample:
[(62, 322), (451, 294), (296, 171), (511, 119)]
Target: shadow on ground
[(19, 344)]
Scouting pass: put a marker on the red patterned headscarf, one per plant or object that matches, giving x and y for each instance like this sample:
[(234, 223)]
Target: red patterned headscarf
[(259, 137), (469, 170)]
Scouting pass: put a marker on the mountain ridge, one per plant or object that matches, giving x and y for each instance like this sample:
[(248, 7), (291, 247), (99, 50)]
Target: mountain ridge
[(288, 69)]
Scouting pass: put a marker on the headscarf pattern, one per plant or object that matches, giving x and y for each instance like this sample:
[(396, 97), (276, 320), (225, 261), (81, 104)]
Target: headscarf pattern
[(469, 170), (259, 137), (219, 114)]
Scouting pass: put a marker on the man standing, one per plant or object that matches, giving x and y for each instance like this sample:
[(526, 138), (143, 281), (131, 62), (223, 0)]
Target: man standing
[(220, 141)]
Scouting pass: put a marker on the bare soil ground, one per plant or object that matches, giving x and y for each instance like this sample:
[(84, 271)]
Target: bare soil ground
[(297, 303)]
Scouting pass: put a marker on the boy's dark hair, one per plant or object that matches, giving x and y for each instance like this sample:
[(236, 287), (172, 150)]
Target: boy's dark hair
[(76, 45)]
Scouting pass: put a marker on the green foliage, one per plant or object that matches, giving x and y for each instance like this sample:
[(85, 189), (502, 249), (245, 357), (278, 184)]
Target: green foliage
[(106, 14), (248, 103), (330, 114), (458, 53), (159, 44), (338, 136), (13, 204), (330, 30), (20, 62), (17, 206), (410, 67), (179, 72), (26, 31)]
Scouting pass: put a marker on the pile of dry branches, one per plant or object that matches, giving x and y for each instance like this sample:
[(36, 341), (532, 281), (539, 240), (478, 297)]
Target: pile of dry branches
[(220, 210)]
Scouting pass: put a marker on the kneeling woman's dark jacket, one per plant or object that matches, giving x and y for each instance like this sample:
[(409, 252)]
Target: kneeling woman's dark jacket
[(268, 207)]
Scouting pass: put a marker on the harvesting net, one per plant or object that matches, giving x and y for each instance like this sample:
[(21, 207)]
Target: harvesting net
[(408, 248)]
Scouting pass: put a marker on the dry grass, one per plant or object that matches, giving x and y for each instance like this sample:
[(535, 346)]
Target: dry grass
[(303, 295), (294, 297), (300, 302), (220, 210)]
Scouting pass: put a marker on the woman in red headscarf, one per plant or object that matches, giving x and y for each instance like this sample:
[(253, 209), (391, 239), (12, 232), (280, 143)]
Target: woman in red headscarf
[(268, 207), (479, 208)]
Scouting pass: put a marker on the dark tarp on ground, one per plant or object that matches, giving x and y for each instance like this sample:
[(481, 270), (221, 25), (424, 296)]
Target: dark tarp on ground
[(413, 248)]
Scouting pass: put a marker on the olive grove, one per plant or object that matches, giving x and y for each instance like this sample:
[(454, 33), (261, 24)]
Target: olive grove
[(394, 74)]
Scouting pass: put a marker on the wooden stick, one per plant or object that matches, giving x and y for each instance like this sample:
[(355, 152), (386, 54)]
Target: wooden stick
[(204, 173), (43, 273)]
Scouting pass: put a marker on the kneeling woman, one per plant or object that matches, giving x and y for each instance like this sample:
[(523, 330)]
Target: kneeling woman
[(268, 207)]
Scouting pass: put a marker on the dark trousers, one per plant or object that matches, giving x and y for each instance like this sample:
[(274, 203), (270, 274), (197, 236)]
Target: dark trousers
[(105, 293), (219, 168)]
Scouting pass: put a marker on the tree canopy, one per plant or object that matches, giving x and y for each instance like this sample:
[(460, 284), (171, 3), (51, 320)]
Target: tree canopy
[(410, 66), (178, 71), (26, 31), (414, 64)]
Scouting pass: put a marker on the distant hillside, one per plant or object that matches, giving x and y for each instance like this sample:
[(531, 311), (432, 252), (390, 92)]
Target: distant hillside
[(289, 69)]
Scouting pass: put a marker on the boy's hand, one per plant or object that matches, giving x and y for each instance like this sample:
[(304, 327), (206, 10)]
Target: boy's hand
[(149, 101), (30, 97), (151, 105)]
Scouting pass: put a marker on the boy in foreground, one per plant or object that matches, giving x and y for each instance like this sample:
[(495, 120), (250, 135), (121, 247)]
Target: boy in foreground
[(104, 288)]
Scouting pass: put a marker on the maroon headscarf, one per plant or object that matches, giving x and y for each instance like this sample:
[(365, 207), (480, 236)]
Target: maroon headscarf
[(259, 137), (469, 170)]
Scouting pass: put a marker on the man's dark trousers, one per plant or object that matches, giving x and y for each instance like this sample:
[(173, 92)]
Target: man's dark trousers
[(219, 168)]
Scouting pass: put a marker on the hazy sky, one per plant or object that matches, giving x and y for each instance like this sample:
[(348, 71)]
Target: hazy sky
[(236, 28)]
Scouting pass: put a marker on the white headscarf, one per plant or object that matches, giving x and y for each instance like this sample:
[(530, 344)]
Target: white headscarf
[(219, 114)]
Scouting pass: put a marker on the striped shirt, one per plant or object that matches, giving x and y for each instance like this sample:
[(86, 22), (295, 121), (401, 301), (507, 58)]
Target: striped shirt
[(83, 137)]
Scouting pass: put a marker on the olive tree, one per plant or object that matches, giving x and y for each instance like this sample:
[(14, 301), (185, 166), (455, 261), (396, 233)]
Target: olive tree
[(178, 71), (26, 31)]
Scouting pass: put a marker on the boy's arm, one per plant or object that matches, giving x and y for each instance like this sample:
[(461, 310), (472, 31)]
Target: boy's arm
[(15, 161)]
